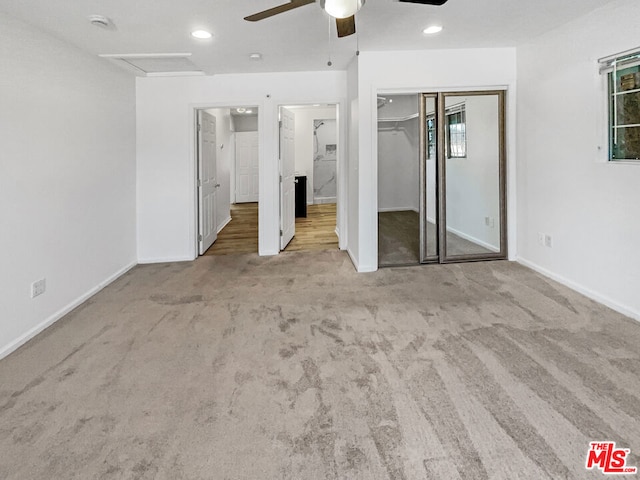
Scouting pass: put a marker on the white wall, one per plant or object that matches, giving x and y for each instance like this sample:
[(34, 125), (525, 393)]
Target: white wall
[(67, 177), (422, 71), (245, 123), (304, 118), (165, 150), (225, 156), (565, 189), (352, 170), (399, 155)]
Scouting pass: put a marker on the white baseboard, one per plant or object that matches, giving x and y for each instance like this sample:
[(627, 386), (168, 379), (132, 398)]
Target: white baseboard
[(587, 292), (353, 259), (361, 268), (224, 224), (367, 269), (477, 241), (398, 209), (21, 340), (143, 261), (320, 200)]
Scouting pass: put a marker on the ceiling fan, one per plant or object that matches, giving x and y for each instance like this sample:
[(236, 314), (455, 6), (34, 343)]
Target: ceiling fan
[(342, 10)]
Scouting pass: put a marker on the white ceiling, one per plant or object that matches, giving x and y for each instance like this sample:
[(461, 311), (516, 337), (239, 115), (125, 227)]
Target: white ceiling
[(297, 40)]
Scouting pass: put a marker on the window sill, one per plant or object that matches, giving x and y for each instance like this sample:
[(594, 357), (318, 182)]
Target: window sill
[(624, 162)]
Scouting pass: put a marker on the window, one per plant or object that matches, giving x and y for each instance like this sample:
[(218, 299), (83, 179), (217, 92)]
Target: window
[(623, 81), (456, 132)]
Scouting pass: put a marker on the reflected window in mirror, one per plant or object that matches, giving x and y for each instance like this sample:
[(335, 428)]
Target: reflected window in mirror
[(456, 131), (431, 137)]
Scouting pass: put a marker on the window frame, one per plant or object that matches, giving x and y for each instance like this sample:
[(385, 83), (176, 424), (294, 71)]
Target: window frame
[(611, 68), (455, 112)]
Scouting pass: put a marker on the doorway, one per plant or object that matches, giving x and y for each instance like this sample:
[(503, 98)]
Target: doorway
[(309, 165), (442, 178), (231, 215)]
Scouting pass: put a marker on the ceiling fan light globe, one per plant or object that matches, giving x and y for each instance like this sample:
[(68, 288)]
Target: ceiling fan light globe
[(341, 8)]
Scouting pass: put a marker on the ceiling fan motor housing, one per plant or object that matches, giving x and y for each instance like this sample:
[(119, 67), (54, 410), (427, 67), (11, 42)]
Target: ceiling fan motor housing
[(341, 8)]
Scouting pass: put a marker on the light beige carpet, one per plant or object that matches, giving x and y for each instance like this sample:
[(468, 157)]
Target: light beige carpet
[(295, 367)]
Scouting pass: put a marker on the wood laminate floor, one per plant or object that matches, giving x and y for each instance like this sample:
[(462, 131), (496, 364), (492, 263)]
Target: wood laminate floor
[(315, 232), (240, 235)]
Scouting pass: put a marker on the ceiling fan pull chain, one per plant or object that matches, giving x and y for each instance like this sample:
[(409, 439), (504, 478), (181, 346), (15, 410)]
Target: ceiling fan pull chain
[(329, 63)]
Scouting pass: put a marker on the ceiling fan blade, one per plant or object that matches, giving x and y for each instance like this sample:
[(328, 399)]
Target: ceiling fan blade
[(425, 2), (346, 26), (279, 9)]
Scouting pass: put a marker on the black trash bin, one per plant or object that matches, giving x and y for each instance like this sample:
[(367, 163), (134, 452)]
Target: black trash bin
[(301, 195)]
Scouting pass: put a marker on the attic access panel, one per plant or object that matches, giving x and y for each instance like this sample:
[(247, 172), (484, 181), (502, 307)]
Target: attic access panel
[(163, 64)]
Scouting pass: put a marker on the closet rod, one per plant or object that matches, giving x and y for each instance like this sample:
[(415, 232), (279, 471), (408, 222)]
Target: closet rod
[(398, 119)]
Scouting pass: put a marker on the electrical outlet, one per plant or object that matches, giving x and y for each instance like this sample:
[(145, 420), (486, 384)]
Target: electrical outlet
[(541, 238), (547, 241), (38, 287)]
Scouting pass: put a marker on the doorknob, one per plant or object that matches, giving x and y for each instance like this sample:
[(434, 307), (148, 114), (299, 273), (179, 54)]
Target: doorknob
[(217, 185)]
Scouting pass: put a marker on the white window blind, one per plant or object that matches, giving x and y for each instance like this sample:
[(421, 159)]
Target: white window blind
[(629, 58)]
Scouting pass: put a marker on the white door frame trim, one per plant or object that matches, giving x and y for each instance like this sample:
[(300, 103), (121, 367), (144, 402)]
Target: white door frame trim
[(510, 114), (193, 163), (342, 160), (268, 209)]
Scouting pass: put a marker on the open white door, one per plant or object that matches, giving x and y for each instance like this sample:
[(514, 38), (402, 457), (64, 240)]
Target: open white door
[(207, 181), (246, 167), (287, 178)]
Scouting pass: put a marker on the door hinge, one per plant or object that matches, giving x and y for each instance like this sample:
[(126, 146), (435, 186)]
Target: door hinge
[(200, 238), (199, 183), (199, 127), (280, 232), (280, 123), (280, 178)]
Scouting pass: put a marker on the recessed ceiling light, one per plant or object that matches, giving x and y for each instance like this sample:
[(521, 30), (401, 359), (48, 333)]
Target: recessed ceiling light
[(201, 34), (241, 110), (249, 111), (316, 104), (255, 56), (432, 29)]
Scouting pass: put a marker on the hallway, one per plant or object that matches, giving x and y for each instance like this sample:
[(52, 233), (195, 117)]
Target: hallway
[(315, 232)]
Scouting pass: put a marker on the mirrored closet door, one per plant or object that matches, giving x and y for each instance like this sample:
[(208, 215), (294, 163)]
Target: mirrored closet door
[(471, 177), (441, 178)]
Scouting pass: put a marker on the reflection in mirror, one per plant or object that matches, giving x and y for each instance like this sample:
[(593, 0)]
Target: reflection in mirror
[(472, 146), (431, 137), (398, 180)]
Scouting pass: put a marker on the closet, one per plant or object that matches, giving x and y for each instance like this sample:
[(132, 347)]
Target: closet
[(441, 178)]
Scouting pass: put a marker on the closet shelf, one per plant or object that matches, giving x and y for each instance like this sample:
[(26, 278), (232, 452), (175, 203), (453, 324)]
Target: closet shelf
[(398, 119)]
